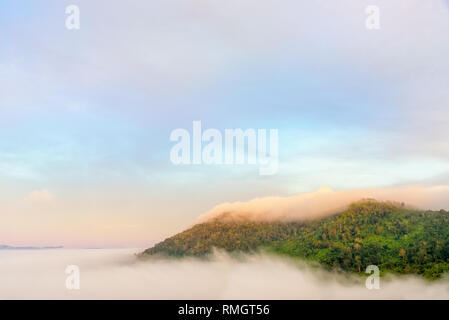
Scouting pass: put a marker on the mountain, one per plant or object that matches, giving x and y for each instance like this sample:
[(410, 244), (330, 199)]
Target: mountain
[(5, 247), (395, 238)]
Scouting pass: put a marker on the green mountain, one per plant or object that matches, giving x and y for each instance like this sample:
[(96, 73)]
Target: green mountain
[(386, 234)]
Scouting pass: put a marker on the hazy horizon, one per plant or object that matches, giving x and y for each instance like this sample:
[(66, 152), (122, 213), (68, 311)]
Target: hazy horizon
[(322, 202)]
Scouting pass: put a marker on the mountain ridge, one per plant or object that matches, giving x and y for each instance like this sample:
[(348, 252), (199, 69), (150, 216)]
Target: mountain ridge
[(390, 235), (6, 247)]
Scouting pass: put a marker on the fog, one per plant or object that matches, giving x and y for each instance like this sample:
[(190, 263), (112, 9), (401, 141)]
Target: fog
[(117, 274), (325, 201)]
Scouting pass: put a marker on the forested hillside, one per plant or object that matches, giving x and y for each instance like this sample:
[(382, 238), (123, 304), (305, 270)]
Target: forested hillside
[(388, 235)]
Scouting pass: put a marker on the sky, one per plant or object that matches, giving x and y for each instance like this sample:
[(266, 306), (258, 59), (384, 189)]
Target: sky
[(86, 115)]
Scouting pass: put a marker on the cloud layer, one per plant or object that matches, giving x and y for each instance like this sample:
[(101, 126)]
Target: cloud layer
[(326, 201), (115, 274)]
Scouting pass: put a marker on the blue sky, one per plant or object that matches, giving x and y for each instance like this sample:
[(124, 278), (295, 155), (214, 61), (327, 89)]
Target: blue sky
[(86, 115)]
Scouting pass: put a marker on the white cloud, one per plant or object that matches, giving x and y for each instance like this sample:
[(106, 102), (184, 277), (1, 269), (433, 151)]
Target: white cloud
[(325, 201), (40, 196), (172, 44), (115, 274)]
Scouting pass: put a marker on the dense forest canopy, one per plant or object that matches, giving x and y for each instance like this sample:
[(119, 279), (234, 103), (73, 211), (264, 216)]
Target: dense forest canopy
[(386, 234)]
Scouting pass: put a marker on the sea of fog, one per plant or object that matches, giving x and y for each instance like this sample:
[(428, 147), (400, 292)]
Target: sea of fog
[(117, 274)]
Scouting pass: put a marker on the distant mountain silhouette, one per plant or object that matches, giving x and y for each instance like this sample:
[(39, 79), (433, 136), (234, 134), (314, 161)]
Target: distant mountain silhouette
[(5, 247)]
